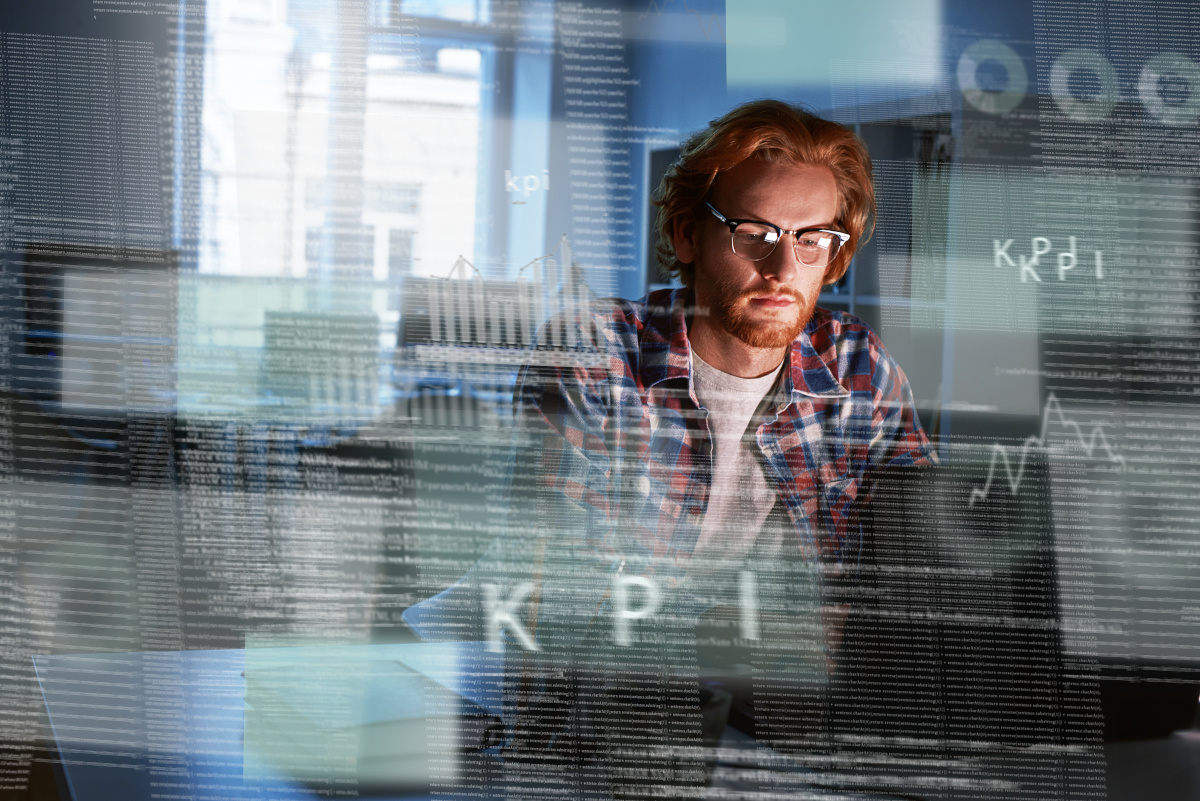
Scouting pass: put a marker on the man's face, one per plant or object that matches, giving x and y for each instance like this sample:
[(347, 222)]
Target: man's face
[(767, 303)]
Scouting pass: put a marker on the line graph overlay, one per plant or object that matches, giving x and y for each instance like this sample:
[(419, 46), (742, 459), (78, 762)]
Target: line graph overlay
[(1000, 453)]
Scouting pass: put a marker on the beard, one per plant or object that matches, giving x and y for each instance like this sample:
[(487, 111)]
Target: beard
[(732, 312)]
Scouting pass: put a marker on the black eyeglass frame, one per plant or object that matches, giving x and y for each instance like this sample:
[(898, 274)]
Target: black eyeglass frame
[(779, 232)]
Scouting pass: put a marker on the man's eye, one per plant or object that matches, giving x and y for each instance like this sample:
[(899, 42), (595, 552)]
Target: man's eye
[(756, 233), (810, 242)]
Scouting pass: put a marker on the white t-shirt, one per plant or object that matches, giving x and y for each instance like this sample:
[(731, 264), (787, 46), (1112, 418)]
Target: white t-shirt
[(745, 527), (740, 498)]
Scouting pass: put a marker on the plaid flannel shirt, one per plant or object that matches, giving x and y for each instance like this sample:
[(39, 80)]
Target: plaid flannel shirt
[(618, 437)]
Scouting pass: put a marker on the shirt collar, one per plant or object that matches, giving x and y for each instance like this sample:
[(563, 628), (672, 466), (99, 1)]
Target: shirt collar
[(811, 362), (814, 360)]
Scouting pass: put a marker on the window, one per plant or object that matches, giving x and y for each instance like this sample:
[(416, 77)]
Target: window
[(358, 249), (393, 198), (400, 250)]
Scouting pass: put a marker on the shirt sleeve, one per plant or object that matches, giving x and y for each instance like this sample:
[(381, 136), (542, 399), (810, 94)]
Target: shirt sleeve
[(563, 510), (897, 437), (564, 499), (895, 440)]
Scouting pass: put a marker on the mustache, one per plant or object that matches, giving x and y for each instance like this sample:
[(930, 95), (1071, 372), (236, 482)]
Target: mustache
[(779, 290), (730, 294)]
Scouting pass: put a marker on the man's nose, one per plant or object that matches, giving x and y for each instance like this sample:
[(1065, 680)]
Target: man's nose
[(782, 264)]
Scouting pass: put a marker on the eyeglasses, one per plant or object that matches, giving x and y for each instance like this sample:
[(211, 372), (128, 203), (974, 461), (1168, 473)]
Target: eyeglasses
[(755, 240)]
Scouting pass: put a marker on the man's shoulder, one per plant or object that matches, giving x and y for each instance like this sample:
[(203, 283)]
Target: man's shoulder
[(656, 304), (841, 331), (609, 336), (634, 324)]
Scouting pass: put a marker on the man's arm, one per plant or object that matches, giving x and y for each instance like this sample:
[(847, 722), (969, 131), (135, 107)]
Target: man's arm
[(564, 494), (897, 437), (897, 444)]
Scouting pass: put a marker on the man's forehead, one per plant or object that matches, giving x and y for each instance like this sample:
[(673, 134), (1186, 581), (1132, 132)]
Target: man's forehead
[(799, 186)]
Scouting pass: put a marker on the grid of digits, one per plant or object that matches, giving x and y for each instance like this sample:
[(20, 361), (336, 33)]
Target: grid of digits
[(600, 399)]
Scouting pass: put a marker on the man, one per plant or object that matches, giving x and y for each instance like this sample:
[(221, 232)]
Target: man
[(734, 402), (702, 466), (691, 471)]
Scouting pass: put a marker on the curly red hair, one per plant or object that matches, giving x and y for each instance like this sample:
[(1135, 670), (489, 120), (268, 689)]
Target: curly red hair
[(773, 131)]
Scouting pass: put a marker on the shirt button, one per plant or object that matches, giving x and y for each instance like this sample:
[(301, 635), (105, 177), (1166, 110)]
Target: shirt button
[(644, 485)]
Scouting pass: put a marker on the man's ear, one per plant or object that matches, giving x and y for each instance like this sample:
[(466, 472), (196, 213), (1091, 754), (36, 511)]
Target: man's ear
[(684, 233)]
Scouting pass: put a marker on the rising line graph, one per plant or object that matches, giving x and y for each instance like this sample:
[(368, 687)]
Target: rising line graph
[(1000, 453)]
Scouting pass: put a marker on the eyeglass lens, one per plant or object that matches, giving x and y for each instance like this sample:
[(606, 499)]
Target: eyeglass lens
[(755, 242)]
